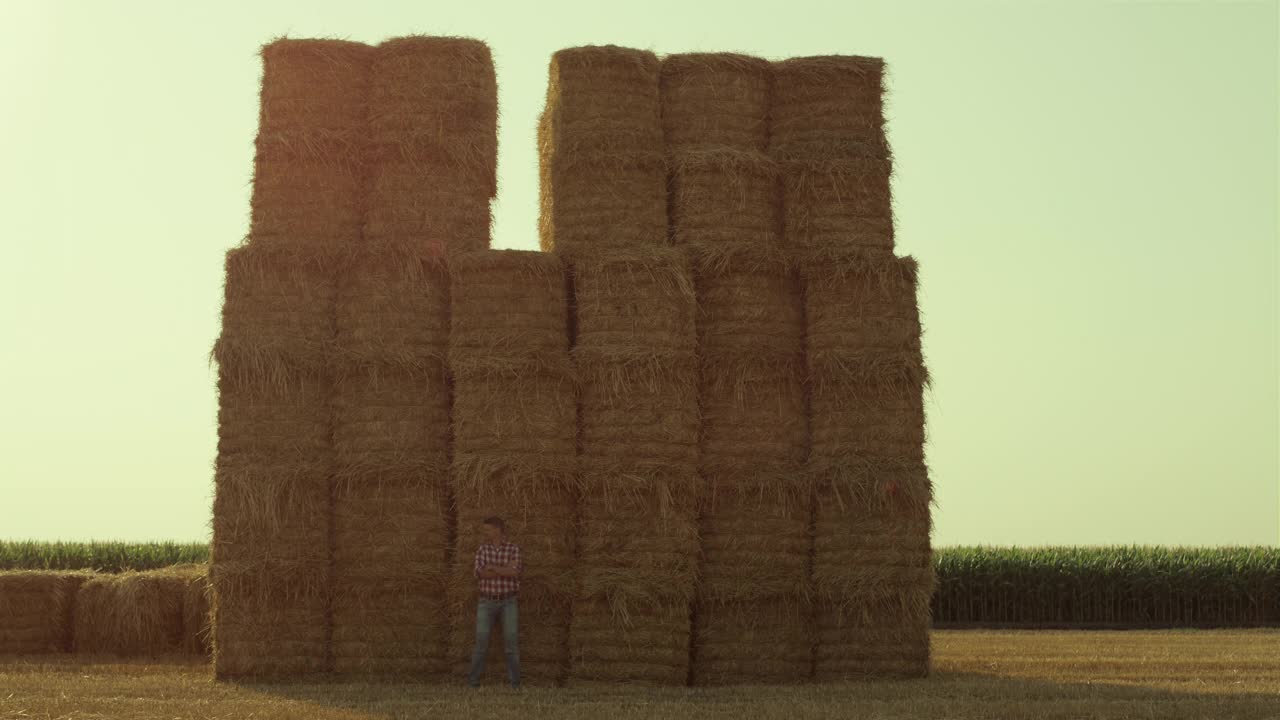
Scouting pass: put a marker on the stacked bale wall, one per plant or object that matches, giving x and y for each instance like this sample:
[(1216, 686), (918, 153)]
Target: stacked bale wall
[(750, 618), (872, 568), (431, 159), (605, 210)]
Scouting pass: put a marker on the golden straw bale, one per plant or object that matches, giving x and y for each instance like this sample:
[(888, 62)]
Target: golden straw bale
[(386, 626), (306, 204), (133, 613), (717, 99), (309, 164), (724, 196), (649, 647), (524, 421), (542, 640), (757, 642), (857, 302), (269, 642), (433, 103), (865, 552), (261, 494), (277, 315), (429, 211), (392, 310), (828, 107), (388, 420), (638, 540), (634, 302), (197, 617), (752, 552), (273, 419), (754, 426), (871, 643), (509, 305), (391, 533), (601, 152), (837, 204), (314, 84), (843, 425), (631, 422), (36, 610)]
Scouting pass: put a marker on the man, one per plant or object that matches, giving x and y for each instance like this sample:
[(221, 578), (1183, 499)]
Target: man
[(497, 569)]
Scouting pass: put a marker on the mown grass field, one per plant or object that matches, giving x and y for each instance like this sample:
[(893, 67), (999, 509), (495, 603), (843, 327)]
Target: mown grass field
[(1045, 675)]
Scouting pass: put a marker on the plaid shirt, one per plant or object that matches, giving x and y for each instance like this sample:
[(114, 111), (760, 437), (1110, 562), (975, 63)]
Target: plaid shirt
[(498, 555)]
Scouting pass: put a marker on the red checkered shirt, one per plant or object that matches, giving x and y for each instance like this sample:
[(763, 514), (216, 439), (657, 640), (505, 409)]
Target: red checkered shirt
[(498, 555)]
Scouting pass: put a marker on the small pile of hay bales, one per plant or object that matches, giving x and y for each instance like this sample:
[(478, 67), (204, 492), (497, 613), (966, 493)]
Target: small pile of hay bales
[(433, 138), (514, 456), (36, 610), (149, 613), (752, 591), (872, 566), (600, 152)]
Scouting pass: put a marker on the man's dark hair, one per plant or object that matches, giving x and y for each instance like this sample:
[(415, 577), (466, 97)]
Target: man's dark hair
[(496, 522)]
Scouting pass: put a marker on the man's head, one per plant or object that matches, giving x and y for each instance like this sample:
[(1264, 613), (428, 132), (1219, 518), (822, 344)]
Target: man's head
[(494, 530)]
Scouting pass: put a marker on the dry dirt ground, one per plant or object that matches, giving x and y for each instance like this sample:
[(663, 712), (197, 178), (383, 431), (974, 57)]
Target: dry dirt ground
[(976, 674)]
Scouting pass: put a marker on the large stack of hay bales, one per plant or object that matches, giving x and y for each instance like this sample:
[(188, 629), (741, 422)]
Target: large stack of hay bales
[(431, 163), (604, 210), (750, 621), (514, 446), (270, 556), (872, 568)]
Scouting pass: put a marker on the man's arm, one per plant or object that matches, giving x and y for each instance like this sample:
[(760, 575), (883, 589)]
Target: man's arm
[(513, 569)]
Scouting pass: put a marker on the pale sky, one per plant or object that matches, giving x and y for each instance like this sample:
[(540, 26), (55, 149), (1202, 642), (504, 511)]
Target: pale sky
[(1090, 189)]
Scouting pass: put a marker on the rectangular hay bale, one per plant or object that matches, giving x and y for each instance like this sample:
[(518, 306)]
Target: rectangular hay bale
[(36, 610)]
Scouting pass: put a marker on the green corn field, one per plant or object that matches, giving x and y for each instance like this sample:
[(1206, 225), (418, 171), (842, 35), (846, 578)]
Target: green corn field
[(1069, 587)]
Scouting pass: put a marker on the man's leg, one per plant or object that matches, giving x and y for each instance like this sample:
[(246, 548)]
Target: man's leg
[(510, 639), (486, 612)]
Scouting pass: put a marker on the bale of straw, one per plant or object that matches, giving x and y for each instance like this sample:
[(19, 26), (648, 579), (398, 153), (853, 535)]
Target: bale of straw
[(433, 104), (509, 305), (430, 212), (633, 304), (388, 626), (36, 610), (638, 540), (867, 554), (197, 617), (133, 613), (754, 431), (502, 423), (601, 152), (265, 642), (844, 204), (870, 643), (392, 311), (391, 426), (725, 196), (312, 138), (256, 418), (391, 533), (715, 99), (649, 647), (638, 417), (277, 315), (751, 643), (755, 545), (828, 107)]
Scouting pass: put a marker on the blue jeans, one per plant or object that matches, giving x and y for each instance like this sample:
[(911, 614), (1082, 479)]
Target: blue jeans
[(486, 613)]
